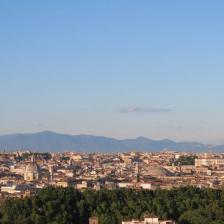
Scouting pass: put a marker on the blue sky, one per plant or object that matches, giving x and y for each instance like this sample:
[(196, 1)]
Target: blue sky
[(115, 68)]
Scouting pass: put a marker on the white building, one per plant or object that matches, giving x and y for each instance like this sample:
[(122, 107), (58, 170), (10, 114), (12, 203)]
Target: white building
[(32, 171), (126, 185), (209, 162), (149, 220)]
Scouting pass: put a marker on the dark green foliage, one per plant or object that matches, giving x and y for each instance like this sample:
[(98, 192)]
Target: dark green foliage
[(184, 160), (65, 158), (45, 155), (26, 156), (67, 206)]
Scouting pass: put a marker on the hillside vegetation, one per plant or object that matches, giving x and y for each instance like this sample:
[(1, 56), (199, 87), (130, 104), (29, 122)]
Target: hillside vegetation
[(68, 206)]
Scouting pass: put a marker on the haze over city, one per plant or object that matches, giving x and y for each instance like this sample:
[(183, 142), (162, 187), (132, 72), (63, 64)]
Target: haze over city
[(114, 68), (111, 112)]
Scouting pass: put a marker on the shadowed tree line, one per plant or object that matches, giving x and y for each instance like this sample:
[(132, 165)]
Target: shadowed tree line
[(68, 206), (184, 160)]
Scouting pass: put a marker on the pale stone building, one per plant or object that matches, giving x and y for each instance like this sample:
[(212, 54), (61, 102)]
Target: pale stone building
[(32, 171)]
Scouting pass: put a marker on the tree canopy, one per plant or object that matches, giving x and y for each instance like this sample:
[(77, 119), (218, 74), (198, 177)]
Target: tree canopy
[(68, 206), (184, 160)]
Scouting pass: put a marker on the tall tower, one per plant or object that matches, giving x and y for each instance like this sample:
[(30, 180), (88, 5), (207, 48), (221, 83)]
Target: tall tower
[(33, 159), (137, 168), (137, 176), (51, 171)]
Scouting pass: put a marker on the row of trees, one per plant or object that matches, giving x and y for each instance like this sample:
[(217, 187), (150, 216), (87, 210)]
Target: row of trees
[(67, 206), (26, 156), (184, 160)]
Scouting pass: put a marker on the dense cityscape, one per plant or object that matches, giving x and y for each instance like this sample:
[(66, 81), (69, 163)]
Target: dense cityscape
[(25, 173)]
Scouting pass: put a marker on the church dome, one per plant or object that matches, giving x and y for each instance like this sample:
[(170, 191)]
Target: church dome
[(32, 171), (32, 168)]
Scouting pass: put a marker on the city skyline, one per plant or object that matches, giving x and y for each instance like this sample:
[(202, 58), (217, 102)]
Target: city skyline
[(118, 69)]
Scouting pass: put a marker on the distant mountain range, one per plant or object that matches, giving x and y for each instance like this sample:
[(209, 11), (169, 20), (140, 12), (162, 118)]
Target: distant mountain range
[(53, 142)]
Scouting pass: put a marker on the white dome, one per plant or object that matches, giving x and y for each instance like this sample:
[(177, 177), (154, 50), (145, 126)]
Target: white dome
[(32, 168), (32, 171)]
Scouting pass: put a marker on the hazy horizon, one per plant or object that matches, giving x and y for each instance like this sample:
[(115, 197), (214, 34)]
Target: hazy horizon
[(113, 137)]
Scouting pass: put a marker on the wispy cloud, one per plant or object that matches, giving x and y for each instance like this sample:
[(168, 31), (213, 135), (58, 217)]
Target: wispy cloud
[(136, 110)]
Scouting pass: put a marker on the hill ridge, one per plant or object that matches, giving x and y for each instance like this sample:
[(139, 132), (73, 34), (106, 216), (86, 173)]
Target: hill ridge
[(57, 142)]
